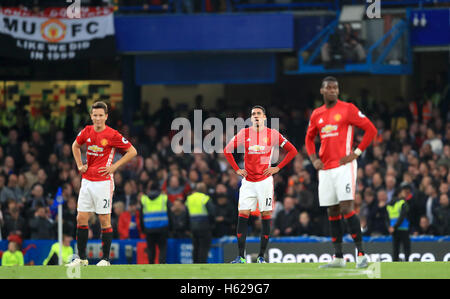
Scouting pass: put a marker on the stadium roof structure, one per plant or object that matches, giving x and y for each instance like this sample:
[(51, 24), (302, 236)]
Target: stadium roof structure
[(376, 54)]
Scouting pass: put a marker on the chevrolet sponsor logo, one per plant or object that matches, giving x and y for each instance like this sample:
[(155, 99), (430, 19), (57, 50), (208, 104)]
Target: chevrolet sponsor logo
[(329, 128), (94, 148), (256, 148)]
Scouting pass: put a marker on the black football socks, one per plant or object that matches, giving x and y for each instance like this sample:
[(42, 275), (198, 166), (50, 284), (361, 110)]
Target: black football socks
[(107, 234), (354, 226), (336, 234), (265, 234), (82, 238), (242, 228)]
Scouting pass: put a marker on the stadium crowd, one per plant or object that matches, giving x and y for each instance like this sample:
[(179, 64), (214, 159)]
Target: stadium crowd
[(412, 148)]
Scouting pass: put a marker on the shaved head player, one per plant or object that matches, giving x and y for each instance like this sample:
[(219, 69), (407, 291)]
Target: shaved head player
[(97, 184), (334, 122)]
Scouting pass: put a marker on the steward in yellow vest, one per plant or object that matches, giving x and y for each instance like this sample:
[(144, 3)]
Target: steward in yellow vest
[(13, 256), (399, 224), (201, 222), (155, 223)]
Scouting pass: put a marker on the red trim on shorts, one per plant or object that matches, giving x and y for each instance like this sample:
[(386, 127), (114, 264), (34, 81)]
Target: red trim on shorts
[(82, 227), (346, 216), (243, 215)]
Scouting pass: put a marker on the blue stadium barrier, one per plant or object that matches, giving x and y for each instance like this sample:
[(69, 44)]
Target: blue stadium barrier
[(179, 251), (347, 238)]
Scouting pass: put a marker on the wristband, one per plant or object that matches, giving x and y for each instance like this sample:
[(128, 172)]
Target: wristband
[(358, 152)]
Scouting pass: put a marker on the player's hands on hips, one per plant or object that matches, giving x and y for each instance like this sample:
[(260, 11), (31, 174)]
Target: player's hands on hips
[(271, 171), (83, 168), (107, 170), (348, 159), (318, 165), (242, 172)]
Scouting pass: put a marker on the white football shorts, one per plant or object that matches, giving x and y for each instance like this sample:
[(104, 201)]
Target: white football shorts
[(337, 184), (253, 194), (95, 196)]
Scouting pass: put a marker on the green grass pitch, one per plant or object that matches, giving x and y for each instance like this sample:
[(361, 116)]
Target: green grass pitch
[(407, 270)]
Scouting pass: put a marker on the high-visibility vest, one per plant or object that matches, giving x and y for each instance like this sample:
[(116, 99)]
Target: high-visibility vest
[(155, 211), (394, 213), (426, 110), (40, 124), (12, 258), (8, 118), (67, 253), (196, 205)]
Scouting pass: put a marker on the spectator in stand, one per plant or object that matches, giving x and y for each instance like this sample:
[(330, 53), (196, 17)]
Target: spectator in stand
[(368, 205), (178, 220), (11, 191), (176, 190), (286, 219), (345, 41), (35, 199), (377, 182), (225, 217), (304, 226), (129, 194), (129, 226), (41, 225), (390, 182), (431, 201), (118, 209), (118, 187), (94, 227), (70, 216), (13, 256), (425, 228), (14, 223), (379, 216), (435, 143), (442, 215), (444, 188), (32, 175), (12, 148), (8, 166)]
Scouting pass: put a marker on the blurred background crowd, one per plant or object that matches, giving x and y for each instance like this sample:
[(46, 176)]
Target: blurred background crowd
[(412, 149)]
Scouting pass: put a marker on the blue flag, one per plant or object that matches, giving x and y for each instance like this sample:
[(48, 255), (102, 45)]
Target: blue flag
[(58, 200)]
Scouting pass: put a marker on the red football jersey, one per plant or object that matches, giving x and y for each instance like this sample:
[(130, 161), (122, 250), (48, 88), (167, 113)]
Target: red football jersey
[(335, 126), (101, 147), (258, 150)]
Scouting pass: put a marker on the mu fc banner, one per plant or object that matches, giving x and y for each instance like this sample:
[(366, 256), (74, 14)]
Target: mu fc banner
[(51, 35)]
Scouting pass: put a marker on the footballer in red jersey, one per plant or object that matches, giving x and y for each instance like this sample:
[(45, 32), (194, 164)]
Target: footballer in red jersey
[(257, 184), (97, 185), (336, 164)]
